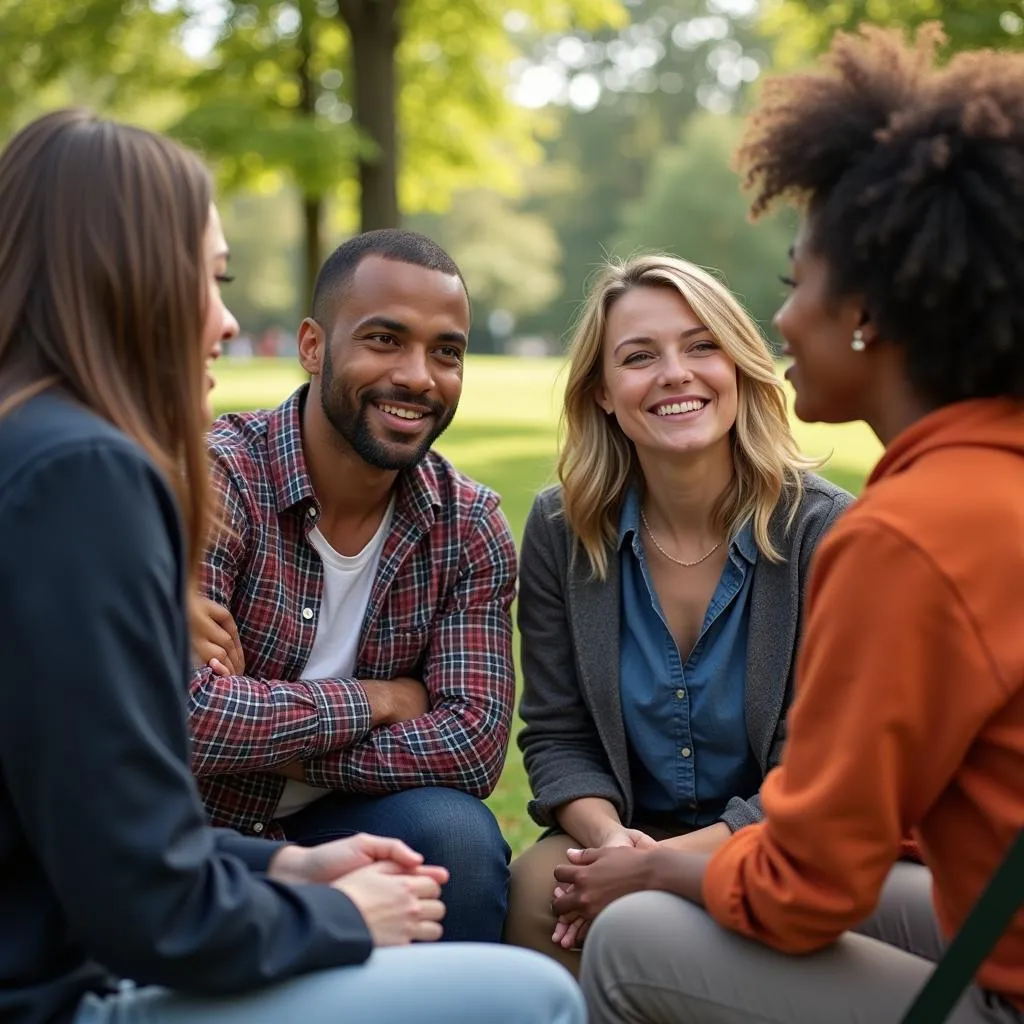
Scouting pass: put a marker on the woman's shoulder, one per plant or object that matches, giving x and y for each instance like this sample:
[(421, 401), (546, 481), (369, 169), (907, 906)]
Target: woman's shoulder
[(49, 429), (821, 499), (52, 447), (820, 505), (821, 495), (545, 524)]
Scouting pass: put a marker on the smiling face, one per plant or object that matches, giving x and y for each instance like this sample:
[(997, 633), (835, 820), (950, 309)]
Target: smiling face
[(666, 380), (831, 380), (389, 369), (219, 325)]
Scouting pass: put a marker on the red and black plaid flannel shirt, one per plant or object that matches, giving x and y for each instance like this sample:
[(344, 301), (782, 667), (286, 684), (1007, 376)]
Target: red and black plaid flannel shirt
[(439, 611)]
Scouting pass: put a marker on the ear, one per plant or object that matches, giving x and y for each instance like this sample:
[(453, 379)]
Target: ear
[(868, 329), (311, 342), (601, 397)]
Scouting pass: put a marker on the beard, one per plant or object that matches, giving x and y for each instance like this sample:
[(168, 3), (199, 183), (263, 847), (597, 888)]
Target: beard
[(350, 418)]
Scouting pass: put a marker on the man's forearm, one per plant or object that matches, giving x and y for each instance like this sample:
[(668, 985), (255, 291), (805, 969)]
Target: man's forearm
[(462, 748), (241, 724)]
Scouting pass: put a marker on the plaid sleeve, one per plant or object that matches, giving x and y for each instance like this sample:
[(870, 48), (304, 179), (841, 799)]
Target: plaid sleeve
[(462, 741), (241, 724)]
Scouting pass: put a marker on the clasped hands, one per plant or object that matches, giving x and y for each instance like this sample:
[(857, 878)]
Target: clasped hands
[(627, 860), (594, 878), (398, 896)]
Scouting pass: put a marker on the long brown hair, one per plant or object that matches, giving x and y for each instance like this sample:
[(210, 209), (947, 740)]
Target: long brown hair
[(102, 291)]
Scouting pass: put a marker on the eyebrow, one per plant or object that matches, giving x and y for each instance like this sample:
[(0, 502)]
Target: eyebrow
[(397, 327), (640, 339)]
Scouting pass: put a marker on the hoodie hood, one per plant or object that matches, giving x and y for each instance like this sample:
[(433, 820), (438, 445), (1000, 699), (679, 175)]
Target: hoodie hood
[(992, 423)]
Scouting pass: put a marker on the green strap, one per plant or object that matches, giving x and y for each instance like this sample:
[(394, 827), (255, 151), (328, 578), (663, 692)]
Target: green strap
[(974, 941)]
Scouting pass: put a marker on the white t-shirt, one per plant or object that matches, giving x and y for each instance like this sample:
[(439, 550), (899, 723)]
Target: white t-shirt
[(348, 581)]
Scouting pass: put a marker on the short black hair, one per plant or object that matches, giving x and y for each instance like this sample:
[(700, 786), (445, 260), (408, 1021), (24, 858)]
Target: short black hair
[(912, 178), (388, 243)]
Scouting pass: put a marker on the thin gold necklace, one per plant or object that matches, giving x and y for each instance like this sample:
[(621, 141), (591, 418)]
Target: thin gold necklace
[(678, 561)]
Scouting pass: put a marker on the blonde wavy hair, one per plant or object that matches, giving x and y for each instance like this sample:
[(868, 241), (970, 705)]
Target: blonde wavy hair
[(597, 462)]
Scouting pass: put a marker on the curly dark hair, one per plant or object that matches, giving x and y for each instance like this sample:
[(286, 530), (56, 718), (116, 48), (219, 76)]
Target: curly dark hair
[(911, 175)]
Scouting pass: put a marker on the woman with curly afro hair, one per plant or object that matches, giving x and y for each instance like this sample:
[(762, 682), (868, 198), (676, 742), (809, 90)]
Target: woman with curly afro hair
[(906, 310)]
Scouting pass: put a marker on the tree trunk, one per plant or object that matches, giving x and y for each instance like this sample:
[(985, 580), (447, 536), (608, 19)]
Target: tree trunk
[(374, 32), (312, 205)]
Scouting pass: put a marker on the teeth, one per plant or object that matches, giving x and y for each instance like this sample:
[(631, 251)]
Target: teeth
[(678, 407), (405, 414)]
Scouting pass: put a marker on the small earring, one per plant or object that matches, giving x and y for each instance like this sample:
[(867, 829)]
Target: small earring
[(858, 344)]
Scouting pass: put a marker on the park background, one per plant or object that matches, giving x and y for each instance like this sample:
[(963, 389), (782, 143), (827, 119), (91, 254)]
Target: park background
[(531, 138)]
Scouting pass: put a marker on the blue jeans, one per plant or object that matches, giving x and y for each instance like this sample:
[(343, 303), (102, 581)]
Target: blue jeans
[(448, 827), (422, 984)]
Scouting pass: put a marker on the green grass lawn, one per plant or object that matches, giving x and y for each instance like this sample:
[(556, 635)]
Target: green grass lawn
[(504, 435)]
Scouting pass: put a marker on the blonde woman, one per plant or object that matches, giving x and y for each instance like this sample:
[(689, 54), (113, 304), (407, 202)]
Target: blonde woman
[(660, 592)]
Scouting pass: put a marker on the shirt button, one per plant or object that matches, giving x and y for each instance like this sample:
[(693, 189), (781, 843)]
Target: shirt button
[(686, 751), (311, 512), (307, 613), (680, 694), (258, 827)]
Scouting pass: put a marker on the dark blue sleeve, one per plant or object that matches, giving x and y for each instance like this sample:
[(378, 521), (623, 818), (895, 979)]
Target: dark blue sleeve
[(255, 854), (94, 745)]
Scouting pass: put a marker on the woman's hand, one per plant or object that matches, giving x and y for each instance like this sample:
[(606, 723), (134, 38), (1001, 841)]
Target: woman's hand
[(398, 907), (592, 880), (571, 928)]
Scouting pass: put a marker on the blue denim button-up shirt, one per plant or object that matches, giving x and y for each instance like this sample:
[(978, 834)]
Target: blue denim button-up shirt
[(685, 723)]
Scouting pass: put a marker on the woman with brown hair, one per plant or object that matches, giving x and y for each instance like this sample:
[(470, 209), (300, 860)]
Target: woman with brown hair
[(111, 260), (906, 310)]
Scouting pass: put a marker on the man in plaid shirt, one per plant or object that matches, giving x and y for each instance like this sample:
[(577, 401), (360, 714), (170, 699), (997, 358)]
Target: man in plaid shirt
[(354, 629)]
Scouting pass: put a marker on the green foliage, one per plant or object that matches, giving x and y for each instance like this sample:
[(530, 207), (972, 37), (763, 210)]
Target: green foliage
[(108, 54), (456, 124), (275, 96), (675, 59), (803, 27), (510, 258), (692, 207), (268, 102)]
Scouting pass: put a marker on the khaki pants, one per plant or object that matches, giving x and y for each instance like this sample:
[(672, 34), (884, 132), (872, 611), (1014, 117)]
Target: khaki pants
[(657, 959), (530, 921)]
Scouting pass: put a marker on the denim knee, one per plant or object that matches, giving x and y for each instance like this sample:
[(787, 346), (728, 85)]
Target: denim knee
[(446, 825)]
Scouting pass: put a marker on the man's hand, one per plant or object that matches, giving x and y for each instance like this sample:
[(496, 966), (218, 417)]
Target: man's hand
[(396, 700), (215, 640), (328, 862), (571, 928), (594, 879), (398, 908)]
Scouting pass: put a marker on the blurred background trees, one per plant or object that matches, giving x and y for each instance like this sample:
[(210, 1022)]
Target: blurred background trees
[(532, 138)]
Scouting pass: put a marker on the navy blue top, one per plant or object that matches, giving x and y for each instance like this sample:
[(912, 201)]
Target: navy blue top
[(685, 722), (108, 866)]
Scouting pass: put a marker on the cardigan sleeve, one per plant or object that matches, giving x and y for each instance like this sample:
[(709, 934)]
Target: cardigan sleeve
[(564, 757)]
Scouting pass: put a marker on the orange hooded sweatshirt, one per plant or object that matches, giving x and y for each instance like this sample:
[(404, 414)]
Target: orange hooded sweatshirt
[(909, 711)]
